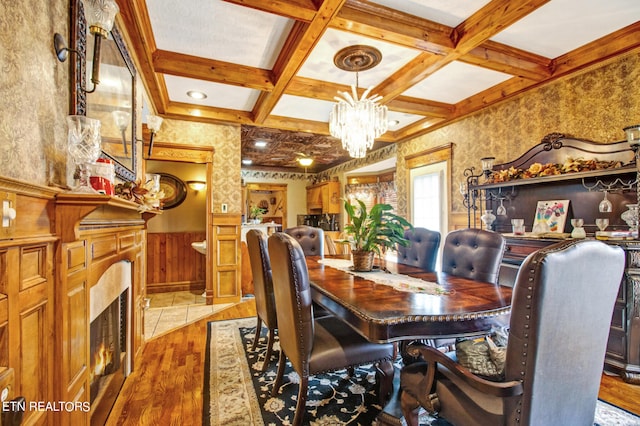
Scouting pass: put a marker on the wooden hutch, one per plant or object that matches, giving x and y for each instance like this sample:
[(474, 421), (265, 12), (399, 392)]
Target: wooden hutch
[(584, 190)]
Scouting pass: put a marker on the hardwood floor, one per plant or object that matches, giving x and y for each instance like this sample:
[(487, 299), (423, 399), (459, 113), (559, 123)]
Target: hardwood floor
[(167, 389)]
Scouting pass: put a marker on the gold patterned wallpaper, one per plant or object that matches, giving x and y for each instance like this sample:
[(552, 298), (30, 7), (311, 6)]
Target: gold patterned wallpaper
[(34, 92), (225, 139), (595, 105)]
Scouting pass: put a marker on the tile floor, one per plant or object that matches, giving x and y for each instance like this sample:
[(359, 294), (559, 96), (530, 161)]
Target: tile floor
[(168, 311)]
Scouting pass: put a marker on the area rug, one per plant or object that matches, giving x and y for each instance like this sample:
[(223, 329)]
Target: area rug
[(237, 392)]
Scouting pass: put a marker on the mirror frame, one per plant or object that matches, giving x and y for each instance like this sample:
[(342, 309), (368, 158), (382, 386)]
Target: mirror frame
[(78, 38)]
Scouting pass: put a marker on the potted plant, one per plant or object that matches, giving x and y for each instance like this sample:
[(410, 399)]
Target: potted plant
[(373, 232), (255, 214)]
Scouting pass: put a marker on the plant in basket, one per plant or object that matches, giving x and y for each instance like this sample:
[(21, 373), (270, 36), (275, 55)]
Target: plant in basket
[(373, 231)]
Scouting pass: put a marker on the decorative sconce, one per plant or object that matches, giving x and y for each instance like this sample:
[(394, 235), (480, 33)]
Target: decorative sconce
[(153, 123), (470, 195), (633, 137), (100, 17), (122, 119), (197, 185)]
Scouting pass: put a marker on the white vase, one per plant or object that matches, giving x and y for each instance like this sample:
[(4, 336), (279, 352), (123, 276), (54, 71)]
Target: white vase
[(488, 218)]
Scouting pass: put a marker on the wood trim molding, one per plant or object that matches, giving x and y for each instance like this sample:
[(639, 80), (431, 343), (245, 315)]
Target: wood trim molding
[(429, 156)]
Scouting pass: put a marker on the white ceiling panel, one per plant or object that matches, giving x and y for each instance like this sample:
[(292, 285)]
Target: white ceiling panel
[(561, 26), (455, 82), (447, 12), (218, 95), (218, 30), (319, 65), (303, 108)]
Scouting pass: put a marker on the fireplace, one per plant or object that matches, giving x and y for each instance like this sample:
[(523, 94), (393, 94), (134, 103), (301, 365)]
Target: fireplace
[(109, 339)]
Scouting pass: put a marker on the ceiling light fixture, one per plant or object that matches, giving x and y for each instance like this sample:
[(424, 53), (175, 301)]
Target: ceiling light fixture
[(260, 144), (357, 121), (101, 16), (305, 161), (196, 95), (247, 162)]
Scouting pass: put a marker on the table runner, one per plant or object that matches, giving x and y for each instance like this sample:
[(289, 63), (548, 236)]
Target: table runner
[(397, 281)]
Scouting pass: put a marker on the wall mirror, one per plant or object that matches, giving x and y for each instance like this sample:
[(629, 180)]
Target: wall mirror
[(114, 100)]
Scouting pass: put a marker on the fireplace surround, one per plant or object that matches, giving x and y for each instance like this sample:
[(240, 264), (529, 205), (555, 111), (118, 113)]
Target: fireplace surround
[(109, 337)]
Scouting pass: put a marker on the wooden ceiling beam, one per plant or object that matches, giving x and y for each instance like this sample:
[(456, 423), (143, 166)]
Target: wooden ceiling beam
[(494, 17), (598, 52), (321, 90), (477, 29), (302, 41), (382, 23), (299, 10), (189, 112), (135, 19), (211, 70), (509, 60)]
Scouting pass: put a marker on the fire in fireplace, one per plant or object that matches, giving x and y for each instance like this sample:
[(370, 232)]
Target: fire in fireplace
[(107, 343)]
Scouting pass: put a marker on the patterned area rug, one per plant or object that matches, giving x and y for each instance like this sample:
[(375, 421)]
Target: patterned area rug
[(237, 393)]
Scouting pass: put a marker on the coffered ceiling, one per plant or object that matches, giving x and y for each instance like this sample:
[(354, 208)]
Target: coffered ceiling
[(269, 64)]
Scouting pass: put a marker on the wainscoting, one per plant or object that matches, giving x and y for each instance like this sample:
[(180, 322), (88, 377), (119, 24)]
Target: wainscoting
[(172, 264)]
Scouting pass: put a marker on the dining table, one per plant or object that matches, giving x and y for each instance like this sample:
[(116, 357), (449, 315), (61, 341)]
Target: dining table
[(399, 303)]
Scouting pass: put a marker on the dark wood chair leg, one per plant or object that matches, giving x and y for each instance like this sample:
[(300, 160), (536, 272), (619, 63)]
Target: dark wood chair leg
[(302, 401), (258, 333), (410, 408), (385, 372), (282, 360), (267, 355)]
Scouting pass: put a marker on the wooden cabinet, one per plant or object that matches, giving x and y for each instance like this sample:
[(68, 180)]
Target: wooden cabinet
[(584, 190), (324, 198), (623, 349), (27, 250)]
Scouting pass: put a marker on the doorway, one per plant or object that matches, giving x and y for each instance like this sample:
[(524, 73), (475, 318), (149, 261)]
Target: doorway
[(271, 198)]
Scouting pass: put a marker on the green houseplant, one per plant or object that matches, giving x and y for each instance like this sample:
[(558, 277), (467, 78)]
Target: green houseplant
[(255, 214), (373, 232)]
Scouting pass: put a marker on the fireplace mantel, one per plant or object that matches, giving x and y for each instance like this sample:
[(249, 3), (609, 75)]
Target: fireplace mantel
[(54, 247), (78, 212), (96, 232)]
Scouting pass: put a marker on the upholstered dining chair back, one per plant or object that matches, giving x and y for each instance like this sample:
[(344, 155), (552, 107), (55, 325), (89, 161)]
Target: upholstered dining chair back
[(560, 321), (313, 345), (474, 254), (263, 288), (561, 312), (311, 239), (423, 249)]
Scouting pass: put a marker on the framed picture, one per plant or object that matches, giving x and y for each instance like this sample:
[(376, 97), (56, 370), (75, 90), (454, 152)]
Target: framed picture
[(553, 213), (175, 191)]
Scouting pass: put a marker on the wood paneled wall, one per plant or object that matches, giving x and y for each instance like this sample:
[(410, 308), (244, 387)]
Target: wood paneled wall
[(172, 264)]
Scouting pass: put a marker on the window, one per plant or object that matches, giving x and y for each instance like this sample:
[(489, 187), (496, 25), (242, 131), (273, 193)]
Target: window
[(429, 199)]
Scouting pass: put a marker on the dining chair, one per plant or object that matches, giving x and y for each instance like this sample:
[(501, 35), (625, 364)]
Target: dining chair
[(263, 290), (310, 238), (473, 253), (561, 313), (315, 345), (422, 250)]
